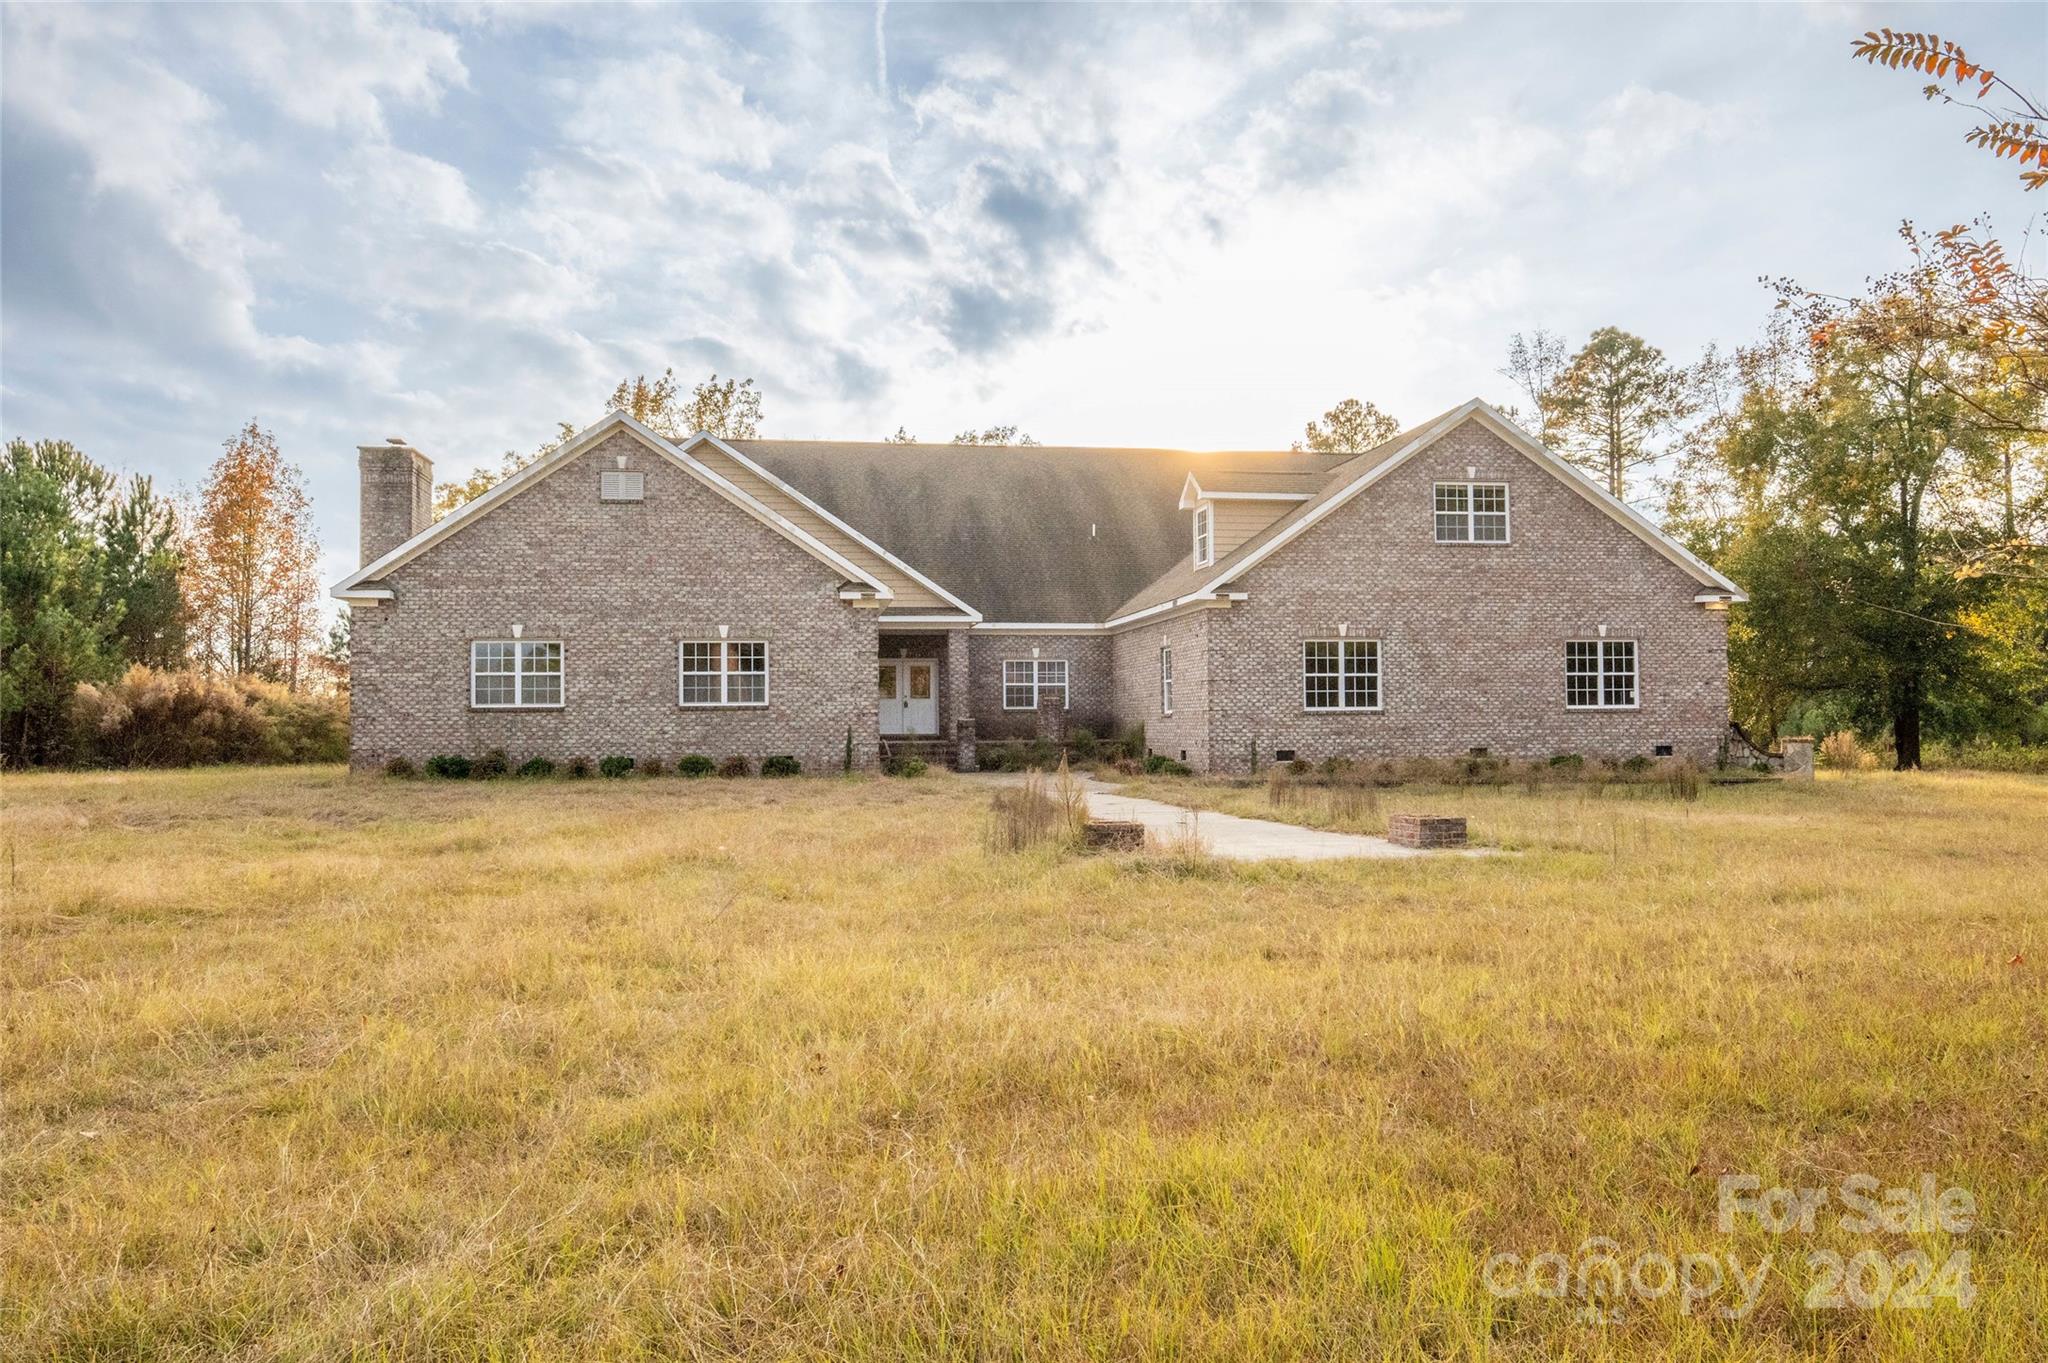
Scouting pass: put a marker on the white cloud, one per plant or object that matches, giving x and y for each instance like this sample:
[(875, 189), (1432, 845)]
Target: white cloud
[(336, 66), (402, 188), (659, 108), (1636, 130)]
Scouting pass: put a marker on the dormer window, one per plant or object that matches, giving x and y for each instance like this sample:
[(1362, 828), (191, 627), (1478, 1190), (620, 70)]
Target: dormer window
[(1205, 535), (1471, 513)]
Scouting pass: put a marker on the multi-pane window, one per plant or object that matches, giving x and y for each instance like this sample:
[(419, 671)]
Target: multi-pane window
[(1600, 674), (1026, 681), (1166, 681), (1471, 513), (1205, 536), (1340, 674), (506, 674), (722, 672)]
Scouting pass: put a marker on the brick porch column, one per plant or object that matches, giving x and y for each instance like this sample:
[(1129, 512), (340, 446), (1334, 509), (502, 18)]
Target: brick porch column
[(957, 683), (959, 713)]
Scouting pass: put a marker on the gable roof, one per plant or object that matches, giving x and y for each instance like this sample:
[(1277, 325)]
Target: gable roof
[(772, 489), (355, 585), (1185, 582), (1042, 533), (1046, 533)]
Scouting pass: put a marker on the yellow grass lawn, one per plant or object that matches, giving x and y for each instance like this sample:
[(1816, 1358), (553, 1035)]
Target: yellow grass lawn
[(297, 1065)]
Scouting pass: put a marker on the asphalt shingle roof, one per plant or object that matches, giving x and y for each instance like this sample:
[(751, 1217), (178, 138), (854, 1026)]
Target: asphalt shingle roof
[(1045, 533)]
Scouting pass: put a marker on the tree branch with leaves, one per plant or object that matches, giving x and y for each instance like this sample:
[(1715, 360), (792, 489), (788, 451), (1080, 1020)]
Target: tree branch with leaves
[(2012, 132)]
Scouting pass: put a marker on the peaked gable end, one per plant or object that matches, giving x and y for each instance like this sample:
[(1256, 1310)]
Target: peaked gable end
[(361, 585)]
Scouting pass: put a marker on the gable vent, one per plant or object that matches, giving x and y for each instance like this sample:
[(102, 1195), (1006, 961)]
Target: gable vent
[(621, 487)]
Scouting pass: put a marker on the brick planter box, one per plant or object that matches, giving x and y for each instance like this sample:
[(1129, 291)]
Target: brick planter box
[(1426, 830), (1114, 835)]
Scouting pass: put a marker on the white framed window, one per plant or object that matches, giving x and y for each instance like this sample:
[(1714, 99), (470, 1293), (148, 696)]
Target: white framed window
[(1471, 513), (1340, 674), (721, 672), (614, 485), (1600, 674), (515, 674), (1028, 680), (1166, 680), (1205, 535)]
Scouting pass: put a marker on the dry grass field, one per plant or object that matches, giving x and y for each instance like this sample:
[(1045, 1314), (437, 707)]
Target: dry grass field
[(303, 1066)]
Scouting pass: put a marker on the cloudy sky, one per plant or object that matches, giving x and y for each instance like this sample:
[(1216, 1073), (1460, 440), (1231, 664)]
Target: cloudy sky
[(1115, 225)]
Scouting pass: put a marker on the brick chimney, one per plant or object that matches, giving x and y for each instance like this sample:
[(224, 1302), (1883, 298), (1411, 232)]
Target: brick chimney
[(398, 495)]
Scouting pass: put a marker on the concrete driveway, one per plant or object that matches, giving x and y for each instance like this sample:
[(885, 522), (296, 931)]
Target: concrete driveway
[(1226, 835)]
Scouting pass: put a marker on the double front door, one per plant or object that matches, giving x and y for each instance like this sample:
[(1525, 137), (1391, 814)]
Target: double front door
[(909, 696)]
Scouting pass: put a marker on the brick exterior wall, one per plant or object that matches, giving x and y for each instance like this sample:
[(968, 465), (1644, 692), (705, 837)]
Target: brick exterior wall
[(1471, 636), (1090, 678), (397, 488), (618, 584), (1136, 651)]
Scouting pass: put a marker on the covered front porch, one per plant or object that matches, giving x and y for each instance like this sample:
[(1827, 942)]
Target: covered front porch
[(921, 697)]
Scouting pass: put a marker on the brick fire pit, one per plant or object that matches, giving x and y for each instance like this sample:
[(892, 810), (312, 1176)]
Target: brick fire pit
[(1114, 835), (1426, 830)]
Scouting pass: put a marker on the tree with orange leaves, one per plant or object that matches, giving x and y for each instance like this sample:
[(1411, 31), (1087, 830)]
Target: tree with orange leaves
[(2018, 131), (250, 564)]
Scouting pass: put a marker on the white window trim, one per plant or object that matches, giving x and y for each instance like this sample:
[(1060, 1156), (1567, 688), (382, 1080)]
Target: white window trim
[(1635, 675), (724, 675), (1205, 535), (1066, 682), (1166, 679), (518, 675), (1379, 678), (1507, 514)]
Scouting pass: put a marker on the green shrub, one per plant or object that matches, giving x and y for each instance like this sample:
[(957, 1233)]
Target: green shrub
[(1988, 756), (1637, 765), (580, 768), (847, 766), (615, 766), (734, 766), (449, 767), (1084, 744), (534, 767), (492, 765), (1568, 761), (907, 766), (1020, 754), (402, 768), (695, 764), (651, 767), (781, 765), (1159, 764)]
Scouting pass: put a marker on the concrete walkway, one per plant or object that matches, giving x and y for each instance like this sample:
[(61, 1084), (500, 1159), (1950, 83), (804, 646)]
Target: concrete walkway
[(1227, 835)]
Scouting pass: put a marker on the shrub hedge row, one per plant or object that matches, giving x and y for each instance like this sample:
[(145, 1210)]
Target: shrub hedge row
[(497, 763)]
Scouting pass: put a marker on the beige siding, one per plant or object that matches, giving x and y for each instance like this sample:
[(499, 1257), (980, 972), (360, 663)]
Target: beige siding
[(1237, 521), (911, 595)]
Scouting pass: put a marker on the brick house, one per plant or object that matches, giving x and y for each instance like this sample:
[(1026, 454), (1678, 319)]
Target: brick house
[(1456, 587)]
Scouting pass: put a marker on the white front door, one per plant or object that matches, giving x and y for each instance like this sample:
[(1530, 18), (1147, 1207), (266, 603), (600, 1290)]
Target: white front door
[(909, 696)]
